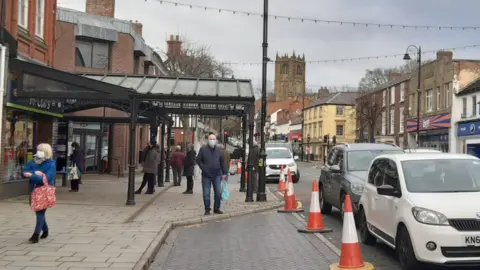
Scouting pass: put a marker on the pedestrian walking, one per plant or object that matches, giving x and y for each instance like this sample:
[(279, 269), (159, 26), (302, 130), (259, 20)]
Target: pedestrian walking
[(41, 165), (151, 158), (177, 165), (254, 155), (189, 168), (226, 156), (77, 159), (212, 163)]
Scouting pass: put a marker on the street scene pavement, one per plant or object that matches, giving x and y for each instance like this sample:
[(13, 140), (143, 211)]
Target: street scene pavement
[(94, 230), (267, 241)]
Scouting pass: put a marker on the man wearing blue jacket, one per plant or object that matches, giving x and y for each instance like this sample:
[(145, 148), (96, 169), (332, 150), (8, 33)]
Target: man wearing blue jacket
[(212, 163)]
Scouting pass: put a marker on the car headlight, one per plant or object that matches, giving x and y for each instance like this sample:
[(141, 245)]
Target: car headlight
[(291, 165), (357, 188), (429, 217)]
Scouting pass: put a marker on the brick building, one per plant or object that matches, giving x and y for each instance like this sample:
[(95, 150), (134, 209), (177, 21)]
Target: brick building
[(29, 30), (96, 42)]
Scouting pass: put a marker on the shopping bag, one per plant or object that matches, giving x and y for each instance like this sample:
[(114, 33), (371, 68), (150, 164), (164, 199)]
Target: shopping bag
[(74, 173), (225, 191), (43, 197)]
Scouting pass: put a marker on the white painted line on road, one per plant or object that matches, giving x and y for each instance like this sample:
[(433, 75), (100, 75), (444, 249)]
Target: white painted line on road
[(320, 236)]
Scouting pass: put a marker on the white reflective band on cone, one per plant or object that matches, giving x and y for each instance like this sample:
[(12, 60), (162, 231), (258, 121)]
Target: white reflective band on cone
[(315, 204), (290, 189), (349, 234)]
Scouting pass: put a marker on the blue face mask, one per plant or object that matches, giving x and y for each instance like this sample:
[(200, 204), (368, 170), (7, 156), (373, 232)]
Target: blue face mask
[(212, 143)]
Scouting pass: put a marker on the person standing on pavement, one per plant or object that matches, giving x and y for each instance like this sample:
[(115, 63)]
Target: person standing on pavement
[(177, 165), (189, 168), (226, 156), (41, 164), (212, 163), (78, 159), (255, 156), (151, 159), (142, 160)]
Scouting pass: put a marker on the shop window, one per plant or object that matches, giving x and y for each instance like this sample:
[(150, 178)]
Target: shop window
[(18, 147), (92, 54)]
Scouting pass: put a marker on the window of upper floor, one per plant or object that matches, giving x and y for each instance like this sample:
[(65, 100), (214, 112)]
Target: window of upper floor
[(284, 69), (40, 18), (23, 13), (299, 70), (392, 95), (429, 100), (384, 96), (339, 110), (402, 91), (92, 54), (470, 106)]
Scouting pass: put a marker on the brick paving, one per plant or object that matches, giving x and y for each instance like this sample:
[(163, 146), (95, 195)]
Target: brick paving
[(89, 230), (267, 241)]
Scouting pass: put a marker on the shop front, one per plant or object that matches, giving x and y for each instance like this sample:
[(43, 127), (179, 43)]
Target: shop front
[(434, 131), (468, 133)]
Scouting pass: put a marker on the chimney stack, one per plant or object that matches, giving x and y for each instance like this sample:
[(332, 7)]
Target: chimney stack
[(138, 27), (174, 46), (394, 75), (445, 55), (104, 8)]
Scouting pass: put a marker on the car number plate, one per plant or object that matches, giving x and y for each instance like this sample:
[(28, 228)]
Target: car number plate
[(472, 240)]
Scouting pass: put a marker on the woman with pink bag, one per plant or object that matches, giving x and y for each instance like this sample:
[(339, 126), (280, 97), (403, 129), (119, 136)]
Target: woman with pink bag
[(41, 174)]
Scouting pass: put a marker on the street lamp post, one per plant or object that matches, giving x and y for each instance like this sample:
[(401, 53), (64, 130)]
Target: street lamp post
[(308, 147), (261, 195), (419, 82)]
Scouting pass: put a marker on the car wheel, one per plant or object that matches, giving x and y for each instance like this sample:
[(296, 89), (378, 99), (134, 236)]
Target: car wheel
[(325, 207), (297, 177), (405, 252), (365, 236)]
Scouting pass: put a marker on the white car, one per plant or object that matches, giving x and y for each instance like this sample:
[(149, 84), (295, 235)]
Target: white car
[(277, 157), (425, 206)]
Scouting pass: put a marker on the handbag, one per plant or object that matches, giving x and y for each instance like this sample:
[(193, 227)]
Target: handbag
[(225, 191), (43, 197), (73, 173)]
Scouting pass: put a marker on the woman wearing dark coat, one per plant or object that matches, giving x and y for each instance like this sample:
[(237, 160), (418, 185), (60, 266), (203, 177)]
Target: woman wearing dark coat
[(189, 168), (78, 159)]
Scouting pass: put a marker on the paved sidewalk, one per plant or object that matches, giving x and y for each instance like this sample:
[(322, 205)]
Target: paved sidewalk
[(267, 241), (94, 230)]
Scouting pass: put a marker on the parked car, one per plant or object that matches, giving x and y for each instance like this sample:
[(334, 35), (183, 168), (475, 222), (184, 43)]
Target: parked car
[(278, 157), (345, 172), (425, 207)]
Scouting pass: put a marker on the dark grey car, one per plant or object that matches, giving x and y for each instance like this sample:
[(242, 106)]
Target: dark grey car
[(345, 172)]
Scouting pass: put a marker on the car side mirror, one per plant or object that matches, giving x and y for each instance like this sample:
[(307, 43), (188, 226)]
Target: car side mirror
[(387, 190), (335, 169), (296, 158)]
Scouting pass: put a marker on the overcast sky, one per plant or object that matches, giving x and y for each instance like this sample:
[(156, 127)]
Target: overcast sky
[(238, 38)]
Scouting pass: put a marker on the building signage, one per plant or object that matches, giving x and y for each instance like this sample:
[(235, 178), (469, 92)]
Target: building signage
[(430, 123), (468, 129)]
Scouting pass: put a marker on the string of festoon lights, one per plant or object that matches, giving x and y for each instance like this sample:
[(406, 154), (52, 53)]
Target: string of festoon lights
[(378, 57), (318, 20)]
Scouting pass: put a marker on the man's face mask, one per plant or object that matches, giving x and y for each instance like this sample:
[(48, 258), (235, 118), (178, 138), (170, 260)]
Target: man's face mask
[(212, 143)]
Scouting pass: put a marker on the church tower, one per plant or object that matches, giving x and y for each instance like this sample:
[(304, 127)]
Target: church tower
[(289, 76)]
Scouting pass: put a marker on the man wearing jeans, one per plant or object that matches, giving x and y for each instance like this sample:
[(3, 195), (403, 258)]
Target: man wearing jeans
[(212, 163)]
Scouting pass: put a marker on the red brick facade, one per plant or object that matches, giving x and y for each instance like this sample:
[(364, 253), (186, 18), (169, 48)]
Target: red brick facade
[(121, 61)]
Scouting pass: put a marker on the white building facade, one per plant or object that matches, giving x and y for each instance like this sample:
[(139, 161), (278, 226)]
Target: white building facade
[(465, 132)]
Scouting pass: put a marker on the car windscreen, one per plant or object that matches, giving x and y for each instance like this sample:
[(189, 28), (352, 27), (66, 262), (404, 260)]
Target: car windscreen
[(442, 175), (360, 160), (278, 153)]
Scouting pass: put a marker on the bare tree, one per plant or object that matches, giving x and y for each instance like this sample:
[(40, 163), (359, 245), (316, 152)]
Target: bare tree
[(195, 60), (233, 125), (368, 113)]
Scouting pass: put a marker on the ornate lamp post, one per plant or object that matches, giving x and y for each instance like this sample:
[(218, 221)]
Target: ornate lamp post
[(419, 63)]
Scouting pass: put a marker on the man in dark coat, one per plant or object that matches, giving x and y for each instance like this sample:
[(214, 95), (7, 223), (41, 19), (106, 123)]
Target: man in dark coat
[(189, 168), (254, 155), (177, 165), (151, 158), (212, 163)]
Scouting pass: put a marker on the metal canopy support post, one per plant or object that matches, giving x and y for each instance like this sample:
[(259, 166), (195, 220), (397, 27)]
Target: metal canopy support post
[(162, 156), (244, 153), (250, 165), (261, 195), (167, 159), (131, 149), (153, 127)]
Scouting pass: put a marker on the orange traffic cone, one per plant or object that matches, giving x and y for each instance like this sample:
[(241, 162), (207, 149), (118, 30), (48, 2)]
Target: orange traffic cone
[(289, 197), (281, 183), (350, 257), (239, 167), (315, 220)]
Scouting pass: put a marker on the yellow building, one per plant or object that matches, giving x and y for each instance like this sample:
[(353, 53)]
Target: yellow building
[(332, 115)]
